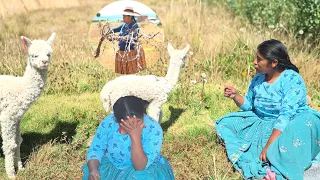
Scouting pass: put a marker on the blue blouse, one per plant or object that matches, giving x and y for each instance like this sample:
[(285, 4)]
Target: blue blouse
[(124, 30), (108, 141), (278, 101)]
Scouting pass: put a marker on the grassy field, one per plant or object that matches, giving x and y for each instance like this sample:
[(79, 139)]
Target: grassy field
[(57, 127)]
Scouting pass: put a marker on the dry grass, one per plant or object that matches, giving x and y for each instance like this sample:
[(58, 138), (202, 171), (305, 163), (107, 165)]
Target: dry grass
[(223, 48)]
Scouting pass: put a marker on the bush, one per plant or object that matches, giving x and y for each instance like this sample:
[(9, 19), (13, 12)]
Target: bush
[(300, 16), (267, 13), (308, 19)]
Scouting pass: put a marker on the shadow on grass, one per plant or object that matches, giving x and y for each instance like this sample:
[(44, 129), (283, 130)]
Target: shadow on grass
[(63, 133), (175, 113)]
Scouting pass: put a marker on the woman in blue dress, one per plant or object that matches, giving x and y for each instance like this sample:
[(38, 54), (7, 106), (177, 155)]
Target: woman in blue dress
[(277, 135), (127, 146)]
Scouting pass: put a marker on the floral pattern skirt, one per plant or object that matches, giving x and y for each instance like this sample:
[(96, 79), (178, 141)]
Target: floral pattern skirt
[(245, 134)]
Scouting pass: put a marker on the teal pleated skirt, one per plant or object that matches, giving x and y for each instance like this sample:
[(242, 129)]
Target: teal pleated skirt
[(245, 134), (156, 171)]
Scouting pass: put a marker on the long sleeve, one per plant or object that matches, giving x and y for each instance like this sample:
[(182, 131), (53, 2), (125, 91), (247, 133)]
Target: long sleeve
[(153, 142), (117, 29), (248, 99), (131, 28), (294, 96), (125, 37), (98, 145)]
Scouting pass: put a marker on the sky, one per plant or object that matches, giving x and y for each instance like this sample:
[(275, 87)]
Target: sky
[(117, 7)]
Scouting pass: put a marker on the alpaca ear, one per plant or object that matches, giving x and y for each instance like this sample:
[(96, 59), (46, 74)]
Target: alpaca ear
[(186, 49), (51, 38), (26, 43), (170, 48)]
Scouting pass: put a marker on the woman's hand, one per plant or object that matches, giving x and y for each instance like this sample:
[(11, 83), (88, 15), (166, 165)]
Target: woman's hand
[(133, 126), (109, 38), (94, 175), (274, 135), (263, 155), (230, 92)]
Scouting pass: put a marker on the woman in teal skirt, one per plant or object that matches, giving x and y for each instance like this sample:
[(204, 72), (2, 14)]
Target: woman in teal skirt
[(277, 135), (127, 146)]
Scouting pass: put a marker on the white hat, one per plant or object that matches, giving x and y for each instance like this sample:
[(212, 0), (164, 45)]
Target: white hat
[(130, 12)]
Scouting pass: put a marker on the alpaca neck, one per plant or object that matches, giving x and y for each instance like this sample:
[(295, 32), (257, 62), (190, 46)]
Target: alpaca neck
[(173, 72), (35, 79)]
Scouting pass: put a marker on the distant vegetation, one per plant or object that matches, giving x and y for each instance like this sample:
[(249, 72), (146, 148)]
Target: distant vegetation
[(301, 17)]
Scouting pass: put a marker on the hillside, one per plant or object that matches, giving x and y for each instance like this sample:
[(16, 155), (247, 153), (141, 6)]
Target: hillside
[(18, 6)]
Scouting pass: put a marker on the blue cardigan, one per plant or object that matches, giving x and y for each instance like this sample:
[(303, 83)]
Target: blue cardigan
[(124, 30)]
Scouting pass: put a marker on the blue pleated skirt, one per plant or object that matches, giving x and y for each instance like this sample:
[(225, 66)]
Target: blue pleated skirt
[(245, 135), (156, 171)]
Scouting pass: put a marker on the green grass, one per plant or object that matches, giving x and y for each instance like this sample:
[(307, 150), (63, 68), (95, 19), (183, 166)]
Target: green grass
[(57, 127)]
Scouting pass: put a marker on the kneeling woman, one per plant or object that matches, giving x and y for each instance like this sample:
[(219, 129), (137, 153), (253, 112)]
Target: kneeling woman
[(277, 135), (127, 145)]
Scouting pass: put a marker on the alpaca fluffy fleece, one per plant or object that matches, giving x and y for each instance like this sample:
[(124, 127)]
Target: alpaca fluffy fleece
[(17, 94), (151, 88)]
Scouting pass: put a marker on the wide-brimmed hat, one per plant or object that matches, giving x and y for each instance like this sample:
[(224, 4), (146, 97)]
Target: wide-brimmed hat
[(130, 12)]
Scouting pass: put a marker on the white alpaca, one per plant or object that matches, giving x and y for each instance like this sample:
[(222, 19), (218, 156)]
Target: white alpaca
[(17, 94), (151, 88)]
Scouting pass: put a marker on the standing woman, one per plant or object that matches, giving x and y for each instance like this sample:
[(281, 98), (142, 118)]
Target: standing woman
[(277, 135), (130, 57)]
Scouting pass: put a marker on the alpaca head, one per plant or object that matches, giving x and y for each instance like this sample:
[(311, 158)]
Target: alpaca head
[(178, 56), (39, 51)]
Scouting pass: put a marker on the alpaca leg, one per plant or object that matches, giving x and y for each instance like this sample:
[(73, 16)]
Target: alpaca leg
[(8, 128), (155, 109), (18, 162)]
